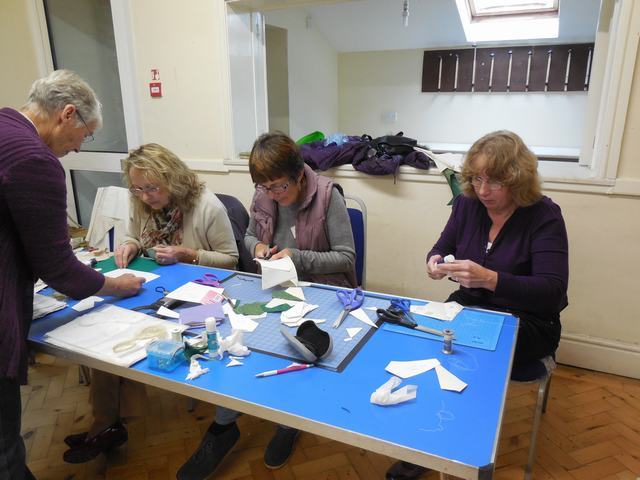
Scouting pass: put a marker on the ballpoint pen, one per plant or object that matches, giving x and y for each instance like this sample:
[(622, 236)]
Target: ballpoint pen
[(292, 368)]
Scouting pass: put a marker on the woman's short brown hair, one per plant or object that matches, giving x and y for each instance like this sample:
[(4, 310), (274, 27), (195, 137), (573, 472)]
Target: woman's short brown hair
[(161, 165), (508, 161), (275, 155)]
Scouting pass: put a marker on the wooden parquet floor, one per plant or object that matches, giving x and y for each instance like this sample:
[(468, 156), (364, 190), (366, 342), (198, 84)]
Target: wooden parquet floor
[(591, 431)]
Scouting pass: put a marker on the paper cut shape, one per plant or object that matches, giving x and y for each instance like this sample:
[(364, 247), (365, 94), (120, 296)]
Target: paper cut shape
[(412, 368), (296, 292), (234, 363), (296, 313), (87, 303), (241, 322), (195, 370), (441, 311), (148, 276), (165, 312), (384, 394), (278, 272), (193, 292), (448, 381), (361, 315), (233, 344), (352, 332), (195, 316)]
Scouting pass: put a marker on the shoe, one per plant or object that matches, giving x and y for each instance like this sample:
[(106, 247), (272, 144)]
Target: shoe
[(405, 471), (108, 439), (280, 447), (75, 439), (209, 454)]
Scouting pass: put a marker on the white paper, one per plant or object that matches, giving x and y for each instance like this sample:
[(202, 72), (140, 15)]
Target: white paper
[(278, 272), (412, 368), (239, 322), (384, 394), (87, 303), (233, 344), (296, 292), (195, 370), (234, 363), (302, 320), (448, 381), (295, 315), (39, 285), (165, 312), (193, 292), (44, 305), (361, 315), (352, 332), (441, 311), (148, 276)]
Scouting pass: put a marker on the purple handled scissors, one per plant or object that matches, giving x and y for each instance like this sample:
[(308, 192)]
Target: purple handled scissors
[(208, 279), (351, 300)]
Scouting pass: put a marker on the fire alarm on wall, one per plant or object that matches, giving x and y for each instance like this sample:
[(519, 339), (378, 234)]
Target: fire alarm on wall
[(155, 89)]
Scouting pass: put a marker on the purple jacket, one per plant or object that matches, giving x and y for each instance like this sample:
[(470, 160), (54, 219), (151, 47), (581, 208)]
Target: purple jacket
[(311, 233), (530, 255), (34, 240)]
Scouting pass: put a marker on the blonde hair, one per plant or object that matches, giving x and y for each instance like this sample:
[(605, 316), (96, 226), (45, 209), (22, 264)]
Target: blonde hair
[(508, 161), (162, 166)]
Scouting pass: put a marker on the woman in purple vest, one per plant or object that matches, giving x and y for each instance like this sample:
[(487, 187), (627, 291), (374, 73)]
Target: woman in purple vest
[(294, 213), (511, 251)]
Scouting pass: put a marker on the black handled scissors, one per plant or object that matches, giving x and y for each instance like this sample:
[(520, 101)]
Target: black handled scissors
[(161, 302), (399, 317)]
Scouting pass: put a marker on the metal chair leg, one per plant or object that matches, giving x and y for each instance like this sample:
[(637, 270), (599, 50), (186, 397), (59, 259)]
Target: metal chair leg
[(543, 391), (546, 394)]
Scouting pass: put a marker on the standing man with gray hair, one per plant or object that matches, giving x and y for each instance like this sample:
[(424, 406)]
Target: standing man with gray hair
[(62, 111)]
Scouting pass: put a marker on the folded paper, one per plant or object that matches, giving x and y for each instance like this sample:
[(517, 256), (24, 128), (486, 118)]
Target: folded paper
[(384, 394), (278, 272)]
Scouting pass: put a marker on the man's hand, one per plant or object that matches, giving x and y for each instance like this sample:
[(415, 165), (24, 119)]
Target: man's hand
[(125, 285)]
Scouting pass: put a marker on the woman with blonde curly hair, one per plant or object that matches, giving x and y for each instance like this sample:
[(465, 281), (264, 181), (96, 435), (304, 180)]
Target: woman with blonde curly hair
[(511, 252), (174, 219)]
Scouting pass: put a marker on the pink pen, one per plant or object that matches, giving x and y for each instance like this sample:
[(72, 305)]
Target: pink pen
[(292, 368)]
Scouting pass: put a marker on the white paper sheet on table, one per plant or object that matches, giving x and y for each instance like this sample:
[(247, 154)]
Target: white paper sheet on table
[(412, 368), (44, 305), (87, 303), (193, 292), (241, 322), (97, 332), (278, 272), (441, 311), (361, 315), (448, 381), (148, 276)]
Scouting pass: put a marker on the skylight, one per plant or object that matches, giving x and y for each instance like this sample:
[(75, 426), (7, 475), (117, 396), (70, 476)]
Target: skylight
[(504, 20)]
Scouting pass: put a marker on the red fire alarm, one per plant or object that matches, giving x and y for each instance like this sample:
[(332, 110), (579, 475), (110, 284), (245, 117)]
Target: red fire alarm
[(155, 89)]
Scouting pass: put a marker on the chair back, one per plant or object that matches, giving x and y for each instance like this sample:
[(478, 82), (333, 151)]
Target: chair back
[(239, 218), (358, 217)]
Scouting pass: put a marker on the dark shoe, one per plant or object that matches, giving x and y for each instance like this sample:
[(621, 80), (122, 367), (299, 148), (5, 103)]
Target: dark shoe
[(280, 447), (75, 439), (209, 454), (108, 439), (405, 471)]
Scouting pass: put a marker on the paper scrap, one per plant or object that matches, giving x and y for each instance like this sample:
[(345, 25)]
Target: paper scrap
[(441, 311), (195, 370), (240, 322), (87, 303), (193, 292), (361, 315), (148, 276), (165, 312), (278, 272), (412, 368), (302, 320), (296, 313), (352, 332), (234, 363), (385, 396), (233, 344), (448, 381), (296, 292)]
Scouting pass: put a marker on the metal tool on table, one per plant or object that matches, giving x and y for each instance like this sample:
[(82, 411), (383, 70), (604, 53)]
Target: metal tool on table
[(398, 317), (403, 305), (163, 301), (351, 300)]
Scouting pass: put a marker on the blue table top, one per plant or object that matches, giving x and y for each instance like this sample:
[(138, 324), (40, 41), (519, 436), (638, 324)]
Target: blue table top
[(441, 429)]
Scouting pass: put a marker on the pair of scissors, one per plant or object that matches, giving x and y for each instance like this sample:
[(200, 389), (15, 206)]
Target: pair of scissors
[(351, 300), (208, 279), (403, 305), (399, 317), (163, 301)]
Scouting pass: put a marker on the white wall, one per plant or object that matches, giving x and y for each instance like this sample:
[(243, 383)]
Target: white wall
[(313, 74), (371, 83)]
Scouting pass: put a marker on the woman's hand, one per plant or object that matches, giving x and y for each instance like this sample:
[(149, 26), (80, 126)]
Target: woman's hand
[(469, 274), (124, 254), (284, 253), (432, 268), (169, 254), (262, 250)]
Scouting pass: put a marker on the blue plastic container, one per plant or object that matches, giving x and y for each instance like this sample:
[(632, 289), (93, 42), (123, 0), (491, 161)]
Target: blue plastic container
[(165, 355)]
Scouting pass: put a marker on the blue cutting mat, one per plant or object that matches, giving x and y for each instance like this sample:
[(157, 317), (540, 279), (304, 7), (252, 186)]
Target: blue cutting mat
[(266, 338), (473, 328)]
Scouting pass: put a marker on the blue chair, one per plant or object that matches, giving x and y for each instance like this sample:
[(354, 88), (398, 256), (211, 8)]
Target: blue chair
[(358, 218), (536, 371), (239, 218)]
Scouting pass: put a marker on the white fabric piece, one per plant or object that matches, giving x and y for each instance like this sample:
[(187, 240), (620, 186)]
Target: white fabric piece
[(44, 305), (278, 272), (448, 381), (438, 310), (384, 394), (87, 303), (412, 368), (233, 344), (110, 210), (195, 370)]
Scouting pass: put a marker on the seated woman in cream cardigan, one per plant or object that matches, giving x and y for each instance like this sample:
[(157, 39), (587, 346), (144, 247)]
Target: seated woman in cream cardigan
[(174, 219)]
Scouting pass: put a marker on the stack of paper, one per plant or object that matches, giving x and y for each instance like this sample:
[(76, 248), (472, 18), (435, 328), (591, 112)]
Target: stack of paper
[(43, 305)]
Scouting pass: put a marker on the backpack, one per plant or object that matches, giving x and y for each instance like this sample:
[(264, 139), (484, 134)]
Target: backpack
[(390, 144)]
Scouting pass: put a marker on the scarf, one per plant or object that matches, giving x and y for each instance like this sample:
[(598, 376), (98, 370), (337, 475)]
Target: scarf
[(162, 228)]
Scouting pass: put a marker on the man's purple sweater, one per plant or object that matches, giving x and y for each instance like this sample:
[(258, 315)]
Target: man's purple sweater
[(34, 240), (530, 255)]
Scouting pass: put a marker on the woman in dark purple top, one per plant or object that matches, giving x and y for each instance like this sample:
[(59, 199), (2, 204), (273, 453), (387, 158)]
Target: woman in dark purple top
[(510, 247)]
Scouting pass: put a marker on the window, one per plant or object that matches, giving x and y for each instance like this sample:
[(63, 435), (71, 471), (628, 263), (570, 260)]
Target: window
[(480, 8)]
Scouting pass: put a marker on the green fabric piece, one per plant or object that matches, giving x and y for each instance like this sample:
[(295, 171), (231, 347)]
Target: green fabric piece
[(280, 308), (281, 294), (255, 308), (453, 182), (139, 263), (311, 137)]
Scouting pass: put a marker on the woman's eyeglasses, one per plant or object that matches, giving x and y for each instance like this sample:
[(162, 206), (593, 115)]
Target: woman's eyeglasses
[(492, 185), (138, 192), (275, 189)]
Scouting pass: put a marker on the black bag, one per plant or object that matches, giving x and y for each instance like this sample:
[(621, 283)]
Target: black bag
[(390, 144)]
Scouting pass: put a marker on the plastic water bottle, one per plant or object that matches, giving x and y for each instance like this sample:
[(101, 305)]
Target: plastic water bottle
[(212, 336)]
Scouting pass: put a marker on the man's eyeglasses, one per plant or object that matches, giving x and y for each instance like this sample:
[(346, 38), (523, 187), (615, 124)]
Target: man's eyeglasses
[(89, 136), (138, 192), (275, 189), (492, 185)]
